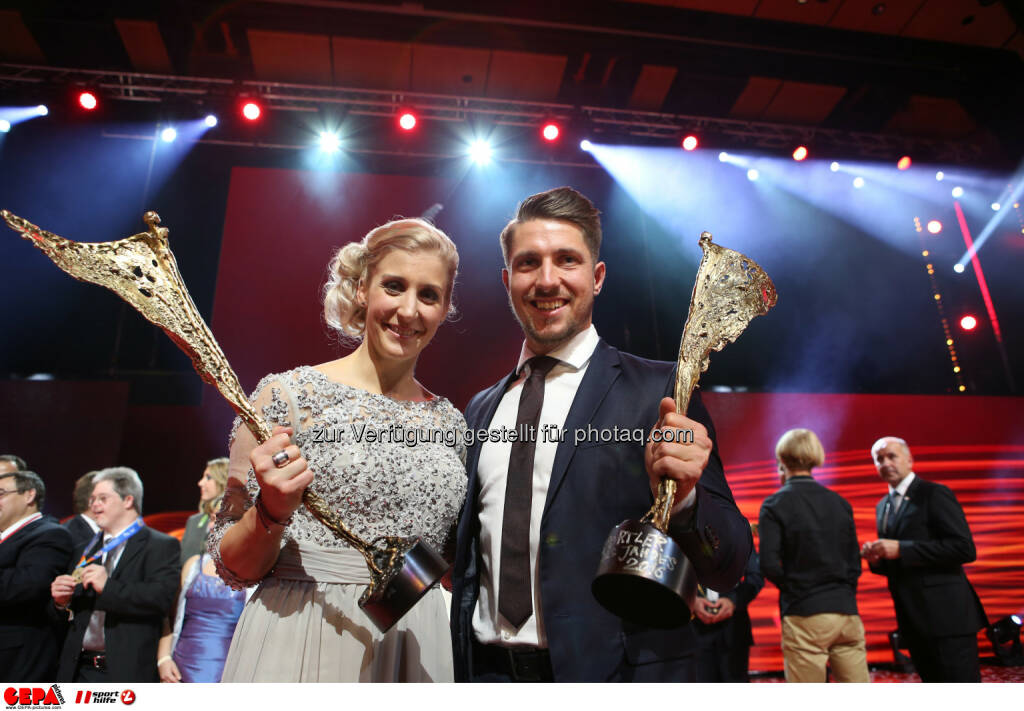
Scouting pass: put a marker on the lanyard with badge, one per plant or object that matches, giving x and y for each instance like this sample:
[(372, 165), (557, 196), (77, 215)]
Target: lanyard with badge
[(111, 544)]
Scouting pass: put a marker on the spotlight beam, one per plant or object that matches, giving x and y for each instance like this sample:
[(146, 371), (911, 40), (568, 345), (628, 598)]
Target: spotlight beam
[(990, 227), (985, 295)]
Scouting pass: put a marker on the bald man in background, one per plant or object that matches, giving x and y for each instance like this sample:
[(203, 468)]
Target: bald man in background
[(923, 543)]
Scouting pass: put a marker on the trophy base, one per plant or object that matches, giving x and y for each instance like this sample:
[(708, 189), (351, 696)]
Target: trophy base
[(422, 568), (644, 578)]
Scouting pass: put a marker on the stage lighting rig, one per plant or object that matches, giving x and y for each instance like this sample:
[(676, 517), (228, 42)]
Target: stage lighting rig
[(1004, 635), (407, 120), (480, 152), (87, 100), (251, 110)]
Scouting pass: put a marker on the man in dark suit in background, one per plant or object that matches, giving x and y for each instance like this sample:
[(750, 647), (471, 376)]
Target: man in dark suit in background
[(118, 609), (33, 549), (538, 512), (81, 526), (723, 628), (924, 542)]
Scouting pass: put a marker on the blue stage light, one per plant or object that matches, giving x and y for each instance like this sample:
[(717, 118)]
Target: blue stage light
[(168, 134), (330, 142), (480, 152)]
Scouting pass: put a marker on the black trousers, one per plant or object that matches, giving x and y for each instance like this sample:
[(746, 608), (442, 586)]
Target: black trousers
[(86, 672), (945, 659), (498, 664)]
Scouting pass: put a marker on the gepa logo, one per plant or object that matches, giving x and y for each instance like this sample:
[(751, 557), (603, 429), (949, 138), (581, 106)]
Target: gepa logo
[(33, 697)]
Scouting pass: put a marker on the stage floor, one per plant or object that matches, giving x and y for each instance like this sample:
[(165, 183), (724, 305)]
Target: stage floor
[(990, 674)]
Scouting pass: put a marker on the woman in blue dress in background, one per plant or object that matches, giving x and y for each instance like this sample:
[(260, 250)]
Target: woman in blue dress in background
[(205, 619)]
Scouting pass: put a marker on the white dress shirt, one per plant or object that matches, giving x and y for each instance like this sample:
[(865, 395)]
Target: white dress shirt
[(560, 387), (902, 487)]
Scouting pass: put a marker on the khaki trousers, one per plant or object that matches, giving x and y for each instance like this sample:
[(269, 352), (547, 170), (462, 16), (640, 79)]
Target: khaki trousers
[(810, 643)]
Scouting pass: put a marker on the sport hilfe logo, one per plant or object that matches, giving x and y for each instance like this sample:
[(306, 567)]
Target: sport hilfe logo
[(126, 697), (33, 697)]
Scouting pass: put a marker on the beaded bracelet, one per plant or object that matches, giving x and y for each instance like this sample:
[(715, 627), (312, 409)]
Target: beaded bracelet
[(265, 518)]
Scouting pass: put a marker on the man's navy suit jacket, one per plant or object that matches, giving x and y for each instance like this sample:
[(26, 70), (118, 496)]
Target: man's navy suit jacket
[(593, 488), (137, 597), (30, 559)]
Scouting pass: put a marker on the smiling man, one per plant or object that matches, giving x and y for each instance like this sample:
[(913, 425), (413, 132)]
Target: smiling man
[(539, 508), (924, 542), (126, 589)]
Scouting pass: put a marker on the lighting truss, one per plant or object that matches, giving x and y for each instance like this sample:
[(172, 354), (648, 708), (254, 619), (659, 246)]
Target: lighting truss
[(648, 125)]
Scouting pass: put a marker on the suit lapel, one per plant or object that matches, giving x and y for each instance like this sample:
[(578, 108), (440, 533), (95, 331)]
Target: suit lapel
[(488, 406), (880, 515), (602, 372), (908, 504), (132, 548)]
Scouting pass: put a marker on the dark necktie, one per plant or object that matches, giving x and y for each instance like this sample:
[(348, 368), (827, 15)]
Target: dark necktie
[(515, 594), (893, 506)]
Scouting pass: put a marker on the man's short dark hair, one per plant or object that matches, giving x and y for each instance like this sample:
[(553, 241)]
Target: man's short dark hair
[(14, 459), (563, 204), (126, 482), (27, 481), (83, 492)]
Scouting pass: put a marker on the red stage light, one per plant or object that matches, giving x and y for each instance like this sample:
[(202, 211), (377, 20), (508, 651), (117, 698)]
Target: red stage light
[(903, 163), (550, 131), (800, 153), (407, 121), (934, 226), (690, 142), (87, 100), (968, 323), (251, 110)]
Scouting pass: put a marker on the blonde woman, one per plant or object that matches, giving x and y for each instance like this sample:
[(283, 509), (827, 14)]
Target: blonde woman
[(391, 292), (211, 488)]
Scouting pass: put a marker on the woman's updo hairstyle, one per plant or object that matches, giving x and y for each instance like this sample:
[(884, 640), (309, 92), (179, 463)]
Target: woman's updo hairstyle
[(353, 263)]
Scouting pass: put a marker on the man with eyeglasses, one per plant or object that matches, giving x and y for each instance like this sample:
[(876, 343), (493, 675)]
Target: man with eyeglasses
[(33, 549), (119, 591)]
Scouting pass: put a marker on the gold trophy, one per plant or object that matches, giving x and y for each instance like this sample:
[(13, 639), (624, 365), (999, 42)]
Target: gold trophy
[(142, 270), (644, 577)]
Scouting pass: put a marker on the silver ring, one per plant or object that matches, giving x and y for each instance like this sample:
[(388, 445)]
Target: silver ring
[(280, 459)]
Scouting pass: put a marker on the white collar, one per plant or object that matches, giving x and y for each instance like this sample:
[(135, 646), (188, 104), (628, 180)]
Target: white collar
[(23, 521), (902, 487), (92, 524), (575, 352)]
